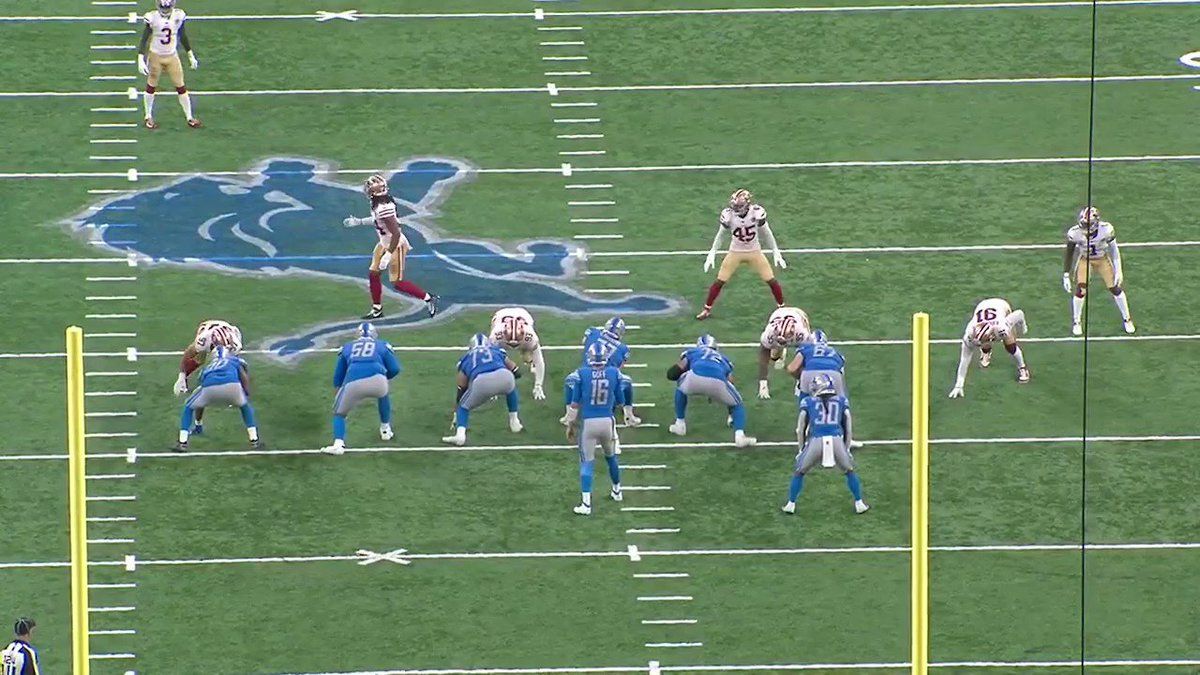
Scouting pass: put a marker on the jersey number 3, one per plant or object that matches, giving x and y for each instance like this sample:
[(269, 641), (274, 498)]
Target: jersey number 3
[(166, 35)]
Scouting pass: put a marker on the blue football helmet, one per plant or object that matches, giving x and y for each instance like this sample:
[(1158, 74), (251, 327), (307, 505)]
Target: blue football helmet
[(822, 385), (367, 329), (820, 337), (615, 327), (706, 340), (479, 341), (597, 354)]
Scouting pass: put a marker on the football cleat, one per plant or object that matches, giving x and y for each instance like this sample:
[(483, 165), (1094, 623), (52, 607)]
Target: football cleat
[(385, 432), (1128, 326), (985, 359), (431, 304), (334, 449), (704, 314), (375, 313), (256, 444), (195, 123), (583, 510), (789, 507), (150, 123), (741, 440), (181, 446), (679, 428), (1023, 374), (615, 493), (459, 437), (860, 506), (197, 429), (1076, 329), (632, 420)]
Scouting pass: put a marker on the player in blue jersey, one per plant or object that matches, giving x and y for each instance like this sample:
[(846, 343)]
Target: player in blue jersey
[(225, 380), (823, 431), (817, 357), (363, 369), (595, 395), (705, 371), (609, 335), (484, 372)]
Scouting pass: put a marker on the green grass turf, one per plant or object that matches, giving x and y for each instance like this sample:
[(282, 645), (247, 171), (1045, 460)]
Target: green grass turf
[(754, 609)]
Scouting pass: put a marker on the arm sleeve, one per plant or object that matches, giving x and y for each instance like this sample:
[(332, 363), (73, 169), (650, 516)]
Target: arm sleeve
[(801, 427), (145, 41), (183, 38), (768, 237), (1114, 253), (539, 365), (964, 362), (339, 372), (849, 427), (621, 401), (1069, 257), (391, 363), (716, 245)]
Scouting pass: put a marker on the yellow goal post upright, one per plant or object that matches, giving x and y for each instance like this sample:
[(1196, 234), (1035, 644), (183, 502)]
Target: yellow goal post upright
[(77, 492), (920, 494)]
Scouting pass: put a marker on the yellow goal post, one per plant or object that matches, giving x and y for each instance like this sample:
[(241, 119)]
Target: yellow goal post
[(77, 493), (920, 494)]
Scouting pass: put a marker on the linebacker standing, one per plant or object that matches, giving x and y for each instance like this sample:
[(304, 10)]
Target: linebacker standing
[(745, 221), (1092, 247), (163, 33)]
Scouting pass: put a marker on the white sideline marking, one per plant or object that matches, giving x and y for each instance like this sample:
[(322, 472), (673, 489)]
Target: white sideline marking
[(647, 508), (646, 488), (599, 236), (655, 668), (111, 414), (581, 153), (563, 43), (112, 141), (663, 575), (652, 530), (630, 551), (576, 120), (112, 434), (110, 335), (716, 86), (668, 622), (595, 220), (590, 186), (112, 125), (841, 164), (902, 442), (122, 498), (664, 598), (579, 136), (103, 657), (106, 298), (110, 279)]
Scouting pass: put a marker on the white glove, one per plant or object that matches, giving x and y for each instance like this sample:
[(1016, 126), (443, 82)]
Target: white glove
[(539, 394), (143, 67), (195, 63), (710, 261), (763, 391), (779, 261), (350, 222), (181, 385), (956, 392), (1067, 282)]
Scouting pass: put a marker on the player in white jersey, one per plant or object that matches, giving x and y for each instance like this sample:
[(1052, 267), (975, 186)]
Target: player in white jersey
[(159, 52), (746, 223), (512, 327), (390, 251), (993, 320), (1092, 247), (787, 327)]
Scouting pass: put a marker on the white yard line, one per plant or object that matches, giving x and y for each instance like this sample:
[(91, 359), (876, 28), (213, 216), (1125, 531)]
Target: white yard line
[(669, 168), (698, 445), (657, 87), (624, 554), (456, 349), (634, 13)]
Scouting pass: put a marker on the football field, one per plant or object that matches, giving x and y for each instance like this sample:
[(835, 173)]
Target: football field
[(572, 157)]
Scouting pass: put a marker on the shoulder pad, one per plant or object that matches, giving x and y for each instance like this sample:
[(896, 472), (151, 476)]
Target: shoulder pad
[(726, 216), (757, 212)]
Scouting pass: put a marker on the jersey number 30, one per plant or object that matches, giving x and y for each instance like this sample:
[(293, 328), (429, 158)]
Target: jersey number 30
[(827, 412)]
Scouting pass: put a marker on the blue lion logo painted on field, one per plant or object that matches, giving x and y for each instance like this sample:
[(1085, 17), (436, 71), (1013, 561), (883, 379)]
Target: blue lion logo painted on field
[(287, 219)]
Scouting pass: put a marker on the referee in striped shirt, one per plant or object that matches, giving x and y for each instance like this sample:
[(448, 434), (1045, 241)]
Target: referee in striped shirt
[(19, 657)]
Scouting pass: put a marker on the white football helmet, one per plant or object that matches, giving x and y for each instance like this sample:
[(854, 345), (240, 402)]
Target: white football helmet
[(375, 186), (740, 201), (1089, 216), (165, 7)]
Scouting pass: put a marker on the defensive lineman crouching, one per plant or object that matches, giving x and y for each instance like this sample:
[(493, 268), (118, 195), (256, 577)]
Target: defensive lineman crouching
[(992, 320)]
